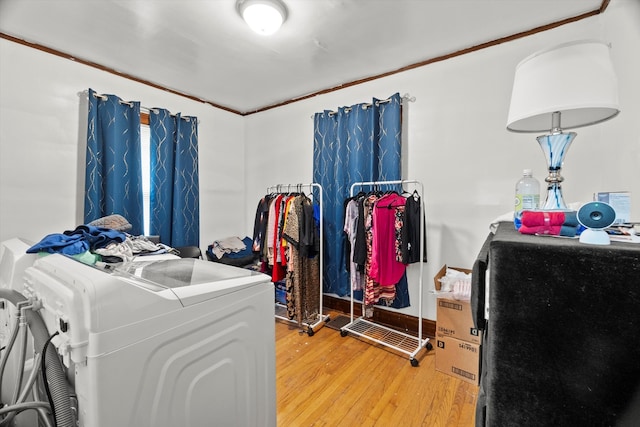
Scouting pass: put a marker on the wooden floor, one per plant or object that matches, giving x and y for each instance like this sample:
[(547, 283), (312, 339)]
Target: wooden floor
[(330, 380)]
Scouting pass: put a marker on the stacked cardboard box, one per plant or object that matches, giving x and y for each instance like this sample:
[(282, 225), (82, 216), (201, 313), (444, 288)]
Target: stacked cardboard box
[(458, 343)]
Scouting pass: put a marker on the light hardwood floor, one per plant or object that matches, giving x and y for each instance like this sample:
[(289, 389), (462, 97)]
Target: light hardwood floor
[(329, 380)]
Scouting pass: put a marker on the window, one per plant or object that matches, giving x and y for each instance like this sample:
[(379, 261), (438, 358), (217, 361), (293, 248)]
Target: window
[(145, 162)]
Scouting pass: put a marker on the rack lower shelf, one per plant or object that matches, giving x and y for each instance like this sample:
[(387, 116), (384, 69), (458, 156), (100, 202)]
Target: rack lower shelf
[(399, 341), (310, 325)]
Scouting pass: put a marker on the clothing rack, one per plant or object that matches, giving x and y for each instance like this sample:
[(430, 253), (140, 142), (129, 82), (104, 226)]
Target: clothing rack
[(312, 325), (383, 335)]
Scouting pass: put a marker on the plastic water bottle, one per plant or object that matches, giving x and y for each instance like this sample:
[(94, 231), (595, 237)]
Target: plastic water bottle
[(527, 195)]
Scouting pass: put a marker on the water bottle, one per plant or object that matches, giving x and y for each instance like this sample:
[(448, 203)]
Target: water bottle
[(527, 195)]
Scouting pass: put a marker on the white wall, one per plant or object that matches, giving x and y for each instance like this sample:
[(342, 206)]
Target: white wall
[(42, 143), (457, 142)]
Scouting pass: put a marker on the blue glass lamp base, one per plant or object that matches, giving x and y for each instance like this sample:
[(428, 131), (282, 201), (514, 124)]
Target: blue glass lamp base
[(555, 147), (554, 199)]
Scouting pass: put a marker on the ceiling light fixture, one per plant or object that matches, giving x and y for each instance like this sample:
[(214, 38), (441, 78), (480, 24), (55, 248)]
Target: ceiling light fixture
[(263, 16)]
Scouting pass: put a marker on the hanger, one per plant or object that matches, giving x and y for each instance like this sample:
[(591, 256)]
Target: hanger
[(404, 191)]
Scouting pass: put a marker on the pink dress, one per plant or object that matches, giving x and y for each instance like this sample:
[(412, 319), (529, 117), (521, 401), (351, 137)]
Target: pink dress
[(385, 269)]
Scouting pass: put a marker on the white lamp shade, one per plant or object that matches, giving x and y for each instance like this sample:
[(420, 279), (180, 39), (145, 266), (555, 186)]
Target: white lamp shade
[(263, 16), (576, 79)]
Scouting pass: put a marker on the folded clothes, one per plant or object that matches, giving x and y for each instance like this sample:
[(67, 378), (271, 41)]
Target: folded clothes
[(554, 230), (549, 218), (556, 223), (227, 245)]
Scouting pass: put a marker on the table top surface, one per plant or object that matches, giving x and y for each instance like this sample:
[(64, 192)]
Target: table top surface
[(507, 234)]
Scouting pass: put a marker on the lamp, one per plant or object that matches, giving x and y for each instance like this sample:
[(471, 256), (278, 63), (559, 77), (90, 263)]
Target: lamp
[(564, 87), (263, 16)]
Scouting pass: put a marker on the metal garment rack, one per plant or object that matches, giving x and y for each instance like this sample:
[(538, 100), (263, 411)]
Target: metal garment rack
[(311, 325), (399, 341)]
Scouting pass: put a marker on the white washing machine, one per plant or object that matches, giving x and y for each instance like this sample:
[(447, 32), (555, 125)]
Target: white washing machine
[(155, 342)]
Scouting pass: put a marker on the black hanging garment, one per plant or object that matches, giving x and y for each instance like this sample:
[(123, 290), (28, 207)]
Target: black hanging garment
[(411, 231)]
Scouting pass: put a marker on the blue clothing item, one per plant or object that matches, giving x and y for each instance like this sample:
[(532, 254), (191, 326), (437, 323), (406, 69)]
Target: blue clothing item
[(316, 214), (60, 243), (82, 239), (402, 295), (97, 237)]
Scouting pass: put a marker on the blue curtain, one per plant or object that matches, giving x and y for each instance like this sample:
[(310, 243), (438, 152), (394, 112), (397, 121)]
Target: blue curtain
[(174, 193), (355, 144), (113, 178)]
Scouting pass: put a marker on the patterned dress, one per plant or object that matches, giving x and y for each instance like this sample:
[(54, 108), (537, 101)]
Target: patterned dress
[(303, 272)]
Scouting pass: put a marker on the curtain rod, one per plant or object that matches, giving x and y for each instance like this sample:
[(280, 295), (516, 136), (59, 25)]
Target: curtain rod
[(405, 97), (130, 104)]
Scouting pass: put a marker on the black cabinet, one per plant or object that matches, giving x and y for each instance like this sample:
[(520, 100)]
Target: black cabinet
[(562, 342)]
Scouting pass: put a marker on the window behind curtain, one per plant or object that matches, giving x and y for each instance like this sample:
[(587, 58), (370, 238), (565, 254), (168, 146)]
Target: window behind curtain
[(145, 163)]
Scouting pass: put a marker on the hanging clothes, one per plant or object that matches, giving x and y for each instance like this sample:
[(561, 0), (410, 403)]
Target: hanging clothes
[(360, 250), (371, 288), (271, 227), (381, 238), (410, 246), (350, 227), (278, 263), (388, 217), (303, 274), (260, 224), (286, 234)]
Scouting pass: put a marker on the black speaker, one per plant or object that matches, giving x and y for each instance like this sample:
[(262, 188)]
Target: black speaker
[(596, 216)]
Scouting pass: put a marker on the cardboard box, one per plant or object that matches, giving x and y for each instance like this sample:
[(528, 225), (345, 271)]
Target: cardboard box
[(443, 272), (454, 319), (459, 359)]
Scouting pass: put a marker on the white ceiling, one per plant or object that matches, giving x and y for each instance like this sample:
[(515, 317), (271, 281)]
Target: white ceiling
[(203, 48)]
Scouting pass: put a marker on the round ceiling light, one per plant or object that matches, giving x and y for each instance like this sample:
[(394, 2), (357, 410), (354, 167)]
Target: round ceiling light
[(263, 16)]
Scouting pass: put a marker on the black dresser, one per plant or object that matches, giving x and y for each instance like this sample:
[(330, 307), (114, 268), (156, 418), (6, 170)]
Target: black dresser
[(562, 343)]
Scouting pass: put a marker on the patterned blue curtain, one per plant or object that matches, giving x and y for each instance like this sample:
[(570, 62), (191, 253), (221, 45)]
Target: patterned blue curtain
[(174, 194), (355, 144), (113, 180)]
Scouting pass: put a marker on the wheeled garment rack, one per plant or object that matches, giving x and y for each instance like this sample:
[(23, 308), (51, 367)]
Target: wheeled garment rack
[(310, 326), (399, 341)]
